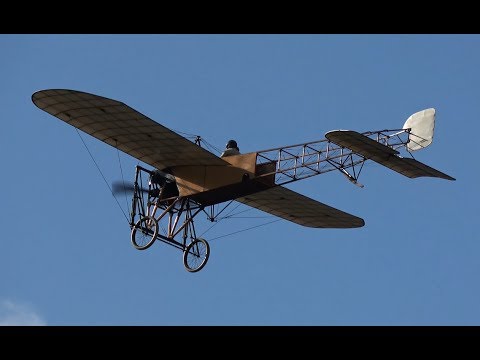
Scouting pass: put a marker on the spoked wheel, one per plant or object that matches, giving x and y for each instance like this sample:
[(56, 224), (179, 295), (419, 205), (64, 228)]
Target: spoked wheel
[(196, 255), (144, 233)]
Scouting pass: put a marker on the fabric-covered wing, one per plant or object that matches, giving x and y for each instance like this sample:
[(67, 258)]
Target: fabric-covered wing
[(292, 206), (122, 127)]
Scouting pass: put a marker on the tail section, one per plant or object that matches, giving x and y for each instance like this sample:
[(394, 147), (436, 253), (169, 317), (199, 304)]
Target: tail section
[(383, 146)]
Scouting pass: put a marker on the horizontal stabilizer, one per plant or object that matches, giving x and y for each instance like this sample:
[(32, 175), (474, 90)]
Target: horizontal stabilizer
[(361, 144), (382, 154), (413, 168)]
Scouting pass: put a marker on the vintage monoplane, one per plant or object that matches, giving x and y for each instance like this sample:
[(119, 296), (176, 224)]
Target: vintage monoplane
[(187, 179)]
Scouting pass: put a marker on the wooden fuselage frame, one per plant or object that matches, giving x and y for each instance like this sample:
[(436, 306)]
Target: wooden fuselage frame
[(210, 184)]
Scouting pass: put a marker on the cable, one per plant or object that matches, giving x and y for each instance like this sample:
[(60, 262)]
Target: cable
[(207, 144), (98, 168), (250, 228), (230, 215), (211, 146)]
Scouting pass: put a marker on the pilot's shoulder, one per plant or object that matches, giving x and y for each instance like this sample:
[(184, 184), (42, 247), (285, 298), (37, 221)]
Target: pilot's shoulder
[(229, 152)]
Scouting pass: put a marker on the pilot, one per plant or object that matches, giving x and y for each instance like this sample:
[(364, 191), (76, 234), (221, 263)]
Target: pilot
[(231, 149)]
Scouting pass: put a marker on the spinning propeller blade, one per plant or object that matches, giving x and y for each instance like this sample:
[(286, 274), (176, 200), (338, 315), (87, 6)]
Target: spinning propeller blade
[(124, 187)]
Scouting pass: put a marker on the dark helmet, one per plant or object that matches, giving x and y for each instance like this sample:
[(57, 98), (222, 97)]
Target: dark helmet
[(231, 144)]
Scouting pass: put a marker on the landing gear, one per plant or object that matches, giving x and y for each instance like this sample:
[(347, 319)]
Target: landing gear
[(196, 255), (156, 217), (144, 233)]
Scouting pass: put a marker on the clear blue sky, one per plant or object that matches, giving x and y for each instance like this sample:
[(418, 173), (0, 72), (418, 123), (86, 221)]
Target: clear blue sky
[(66, 256)]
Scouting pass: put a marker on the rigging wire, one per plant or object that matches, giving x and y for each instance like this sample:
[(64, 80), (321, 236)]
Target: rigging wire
[(247, 217), (184, 133), (100, 171), (123, 179), (216, 222), (229, 215), (231, 201), (212, 217), (209, 146), (250, 228)]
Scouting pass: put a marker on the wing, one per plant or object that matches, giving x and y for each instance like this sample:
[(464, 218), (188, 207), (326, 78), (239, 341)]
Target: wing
[(292, 206), (383, 155), (124, 128)]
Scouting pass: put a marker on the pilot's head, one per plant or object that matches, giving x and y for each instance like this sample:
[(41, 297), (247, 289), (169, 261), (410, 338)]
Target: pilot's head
[(232, 144)]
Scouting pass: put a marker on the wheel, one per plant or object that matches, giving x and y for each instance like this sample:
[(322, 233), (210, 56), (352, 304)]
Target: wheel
[(196, 255), (144, 233)]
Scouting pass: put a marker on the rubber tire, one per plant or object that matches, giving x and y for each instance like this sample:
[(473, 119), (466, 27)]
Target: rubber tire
[(137, 227), (186, 254)]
